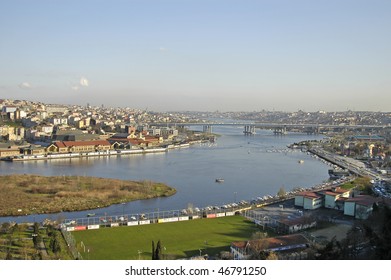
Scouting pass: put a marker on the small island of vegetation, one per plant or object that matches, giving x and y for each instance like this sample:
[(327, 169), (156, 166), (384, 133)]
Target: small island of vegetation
[(25, 194)]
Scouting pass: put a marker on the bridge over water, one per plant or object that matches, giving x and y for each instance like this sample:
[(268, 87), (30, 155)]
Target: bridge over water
[(279, 128)]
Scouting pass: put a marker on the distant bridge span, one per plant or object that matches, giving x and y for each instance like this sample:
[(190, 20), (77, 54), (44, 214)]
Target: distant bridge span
[(279, 128), (271, 125)]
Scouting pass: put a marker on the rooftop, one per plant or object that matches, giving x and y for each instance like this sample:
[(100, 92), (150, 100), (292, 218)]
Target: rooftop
[(279, 243)]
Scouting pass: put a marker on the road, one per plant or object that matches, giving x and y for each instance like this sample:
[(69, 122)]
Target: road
[(355, 166)]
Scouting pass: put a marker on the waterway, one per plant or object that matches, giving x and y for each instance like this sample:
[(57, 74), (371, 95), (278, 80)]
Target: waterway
[(251, 166)]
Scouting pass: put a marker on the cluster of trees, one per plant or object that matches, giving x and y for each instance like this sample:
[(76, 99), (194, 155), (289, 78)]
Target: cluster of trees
[(24, 241), (369, 239), (15, 243), (55, 237)]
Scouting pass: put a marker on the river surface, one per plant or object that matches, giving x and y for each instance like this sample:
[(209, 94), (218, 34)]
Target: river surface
[(251, 166)]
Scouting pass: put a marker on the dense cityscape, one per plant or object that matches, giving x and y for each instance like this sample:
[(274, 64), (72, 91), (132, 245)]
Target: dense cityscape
[(355, 144)]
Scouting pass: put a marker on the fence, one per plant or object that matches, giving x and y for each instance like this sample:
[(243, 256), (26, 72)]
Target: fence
[(71, 242)]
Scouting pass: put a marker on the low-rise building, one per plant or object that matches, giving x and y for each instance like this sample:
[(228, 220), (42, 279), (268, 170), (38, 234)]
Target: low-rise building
[(294, 225), (87, 146), (242, 250), (33, 150), (360, 206), (334, 195), (79, 146), (9, 153), (309, 200)]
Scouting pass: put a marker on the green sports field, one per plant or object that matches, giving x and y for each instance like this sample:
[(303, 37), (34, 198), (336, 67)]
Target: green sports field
[(179, 239)]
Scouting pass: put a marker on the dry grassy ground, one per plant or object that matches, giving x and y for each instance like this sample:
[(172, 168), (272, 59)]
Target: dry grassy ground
[(28, 194), (338, 231)]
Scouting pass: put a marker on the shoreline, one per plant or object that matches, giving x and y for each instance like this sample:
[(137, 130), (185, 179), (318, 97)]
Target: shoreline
[(27, 194), (94, 154)]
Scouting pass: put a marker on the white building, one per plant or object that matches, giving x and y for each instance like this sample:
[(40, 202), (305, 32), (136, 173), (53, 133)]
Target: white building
[(360, 206), (332, 197), (309, 200)]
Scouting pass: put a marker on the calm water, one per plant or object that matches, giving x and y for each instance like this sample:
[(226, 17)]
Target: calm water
[(250, 165)]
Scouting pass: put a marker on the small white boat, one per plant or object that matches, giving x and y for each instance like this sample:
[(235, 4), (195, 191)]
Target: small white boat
[(219, 180)]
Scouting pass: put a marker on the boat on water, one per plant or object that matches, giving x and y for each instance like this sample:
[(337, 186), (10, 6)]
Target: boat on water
[(301, 161), (90, 214), (219, 180)]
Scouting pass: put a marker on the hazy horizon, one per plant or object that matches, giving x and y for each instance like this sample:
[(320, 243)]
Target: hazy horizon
[(199, 55)]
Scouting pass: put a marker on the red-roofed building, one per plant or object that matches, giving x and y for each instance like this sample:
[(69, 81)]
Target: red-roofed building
[(360, 206), (79, 146), (333, 195), (309, 200), (242, 250), (154, 139), (57, 147)]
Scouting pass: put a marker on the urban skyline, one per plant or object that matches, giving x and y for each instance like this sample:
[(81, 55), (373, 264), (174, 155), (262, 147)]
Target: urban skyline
[(176, 55)]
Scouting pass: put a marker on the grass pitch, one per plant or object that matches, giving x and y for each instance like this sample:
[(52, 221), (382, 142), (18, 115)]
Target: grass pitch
[(178, 239)]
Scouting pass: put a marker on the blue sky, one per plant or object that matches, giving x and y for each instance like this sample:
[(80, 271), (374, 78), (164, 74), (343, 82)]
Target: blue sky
[(198, 55)]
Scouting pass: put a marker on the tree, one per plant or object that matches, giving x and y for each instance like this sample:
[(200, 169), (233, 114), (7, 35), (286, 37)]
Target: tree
[(36, 228), (153, 251), (158, 254), (332, 250), (55, 243), (5, 227), (383, 240), (15, 229)]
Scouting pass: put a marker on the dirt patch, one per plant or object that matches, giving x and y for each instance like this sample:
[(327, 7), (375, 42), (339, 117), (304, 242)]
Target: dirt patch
[(339, 231)]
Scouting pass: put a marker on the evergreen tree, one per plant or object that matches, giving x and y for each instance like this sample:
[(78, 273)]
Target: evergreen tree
[(55, 243), (158, 254), (153, 251)]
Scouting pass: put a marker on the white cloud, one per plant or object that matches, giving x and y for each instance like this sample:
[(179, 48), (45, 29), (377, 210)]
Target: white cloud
[(83, 82), (25, 85)]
